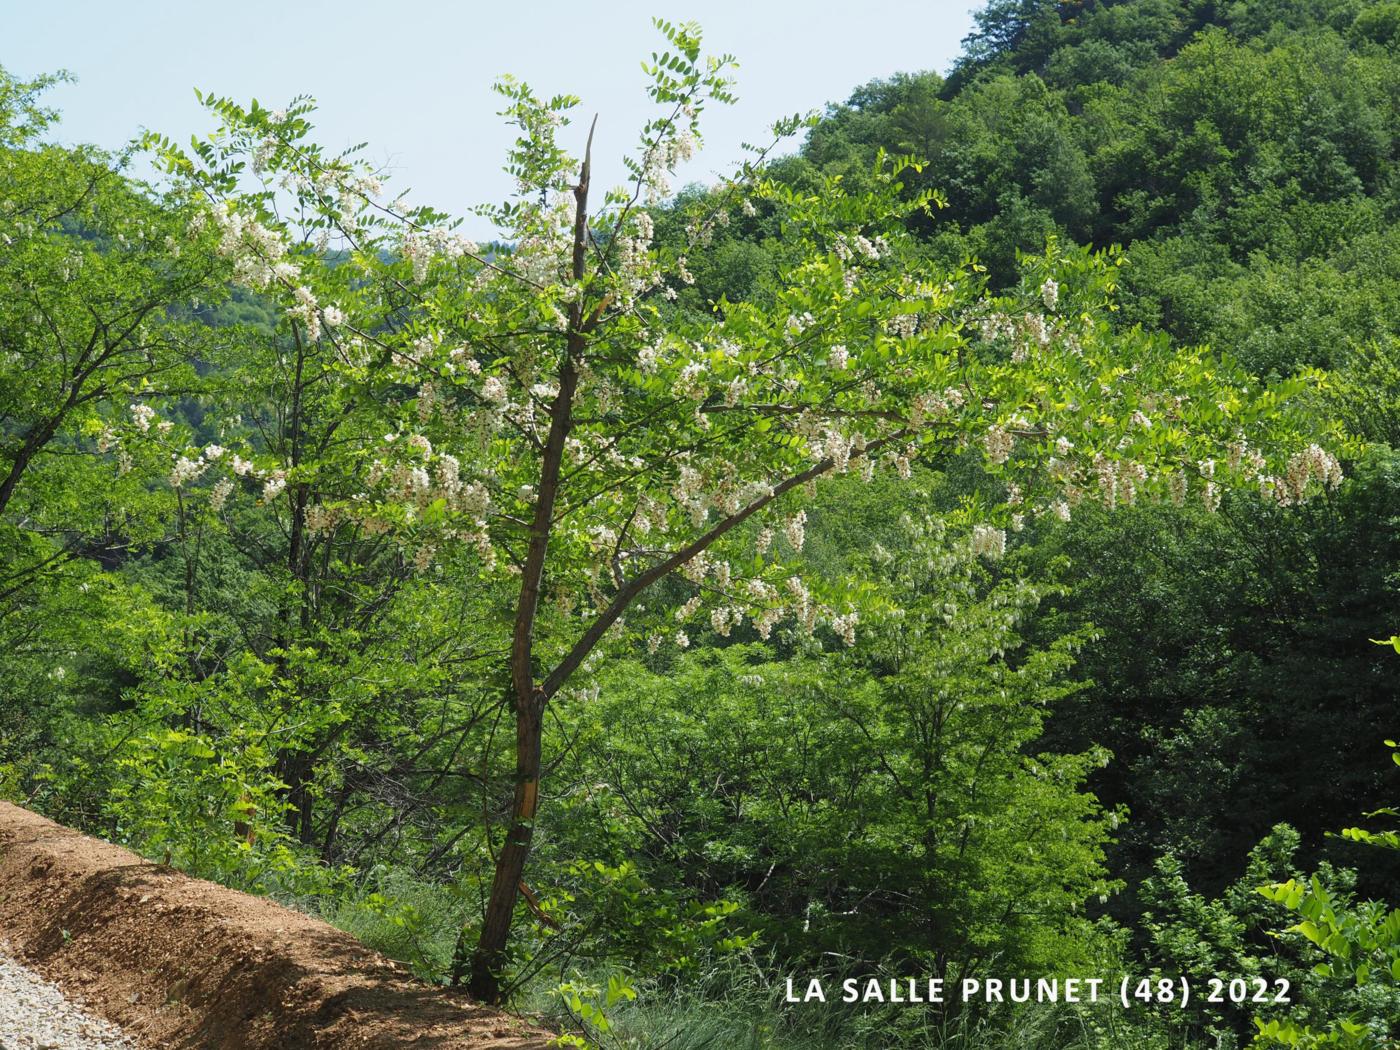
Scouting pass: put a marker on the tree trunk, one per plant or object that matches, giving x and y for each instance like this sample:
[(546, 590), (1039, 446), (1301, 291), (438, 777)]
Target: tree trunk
[(488, 960)]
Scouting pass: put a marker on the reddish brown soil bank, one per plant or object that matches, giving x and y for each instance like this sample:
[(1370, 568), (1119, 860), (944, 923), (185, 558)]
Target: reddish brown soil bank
[(180, 962)]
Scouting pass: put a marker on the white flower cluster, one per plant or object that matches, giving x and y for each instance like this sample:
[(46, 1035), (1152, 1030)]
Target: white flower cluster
[(836, 446), (306, 310), (724, 618), (1176, 487), (189, 467), (999, 444), (903, 462), (903, 326), (845, 626), (1118, 480), (258, 253), (220, 493), (988, 542), (1131, 475), (1028, 332), (421, 247), (689, 492), (661, 160), (927, 406), (690, 384), (635, 264), (795, 530), (803, 608), (186, 470), (1313, 463), (763, 541), (859, 247), (760, 601)]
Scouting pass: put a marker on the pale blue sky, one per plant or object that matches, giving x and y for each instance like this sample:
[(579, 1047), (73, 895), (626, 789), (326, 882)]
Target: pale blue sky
[(413, 78)]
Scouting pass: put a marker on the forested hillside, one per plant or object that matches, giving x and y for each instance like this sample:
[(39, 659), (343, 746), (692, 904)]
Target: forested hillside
[(956, 546)]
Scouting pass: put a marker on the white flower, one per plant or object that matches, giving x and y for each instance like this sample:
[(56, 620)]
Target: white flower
[(185, 469), (796, 530), (1131, 474), (845, 626), (219, 494), (1050, 293), (691, 382), (1314, 462), (988, 542), (723, 619), (275, 483), (763, 541), (1108, 479), (494, 391), (306, 310), (1176, 487), (999, 443)]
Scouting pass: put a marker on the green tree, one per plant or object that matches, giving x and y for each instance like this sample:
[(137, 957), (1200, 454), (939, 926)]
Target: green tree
[(556, 416)]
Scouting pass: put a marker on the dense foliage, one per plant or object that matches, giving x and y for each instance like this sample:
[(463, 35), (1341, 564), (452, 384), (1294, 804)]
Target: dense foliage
[(952, 548)]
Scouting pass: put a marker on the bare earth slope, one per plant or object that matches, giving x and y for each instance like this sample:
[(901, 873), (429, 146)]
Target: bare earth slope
[(183, 963)]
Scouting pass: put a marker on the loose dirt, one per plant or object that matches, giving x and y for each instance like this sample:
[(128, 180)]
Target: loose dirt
[(183, 963)]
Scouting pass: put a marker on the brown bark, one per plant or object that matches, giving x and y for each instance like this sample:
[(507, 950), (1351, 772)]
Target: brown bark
[(489, 958)]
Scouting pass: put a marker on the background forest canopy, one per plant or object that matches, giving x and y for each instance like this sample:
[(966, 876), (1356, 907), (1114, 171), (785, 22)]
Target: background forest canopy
[(953, 547)]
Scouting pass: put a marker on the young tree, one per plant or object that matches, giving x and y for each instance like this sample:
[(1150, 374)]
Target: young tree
[(555, 414)]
